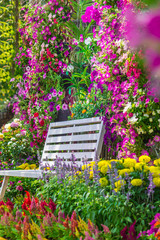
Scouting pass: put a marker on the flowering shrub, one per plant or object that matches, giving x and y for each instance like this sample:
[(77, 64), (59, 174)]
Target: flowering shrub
[(128, 176), (153, 232), (36, 219), (120, 73), (14, 145), (41, 62)]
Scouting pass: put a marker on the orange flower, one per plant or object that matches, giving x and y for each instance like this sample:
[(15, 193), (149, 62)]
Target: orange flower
[(84, 110), (72, 115)]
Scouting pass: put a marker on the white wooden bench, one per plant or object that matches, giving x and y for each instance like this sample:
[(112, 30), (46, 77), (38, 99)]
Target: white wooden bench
[(83, 138)]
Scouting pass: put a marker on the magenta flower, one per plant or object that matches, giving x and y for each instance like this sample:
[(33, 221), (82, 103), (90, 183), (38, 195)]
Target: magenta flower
[(58, 107)]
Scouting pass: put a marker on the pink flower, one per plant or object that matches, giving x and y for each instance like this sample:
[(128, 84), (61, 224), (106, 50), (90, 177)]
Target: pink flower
[(156, 138), (64, 106)]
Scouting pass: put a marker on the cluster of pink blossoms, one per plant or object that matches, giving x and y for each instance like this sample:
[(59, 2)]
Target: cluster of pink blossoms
[(42, 62), (118, 71)]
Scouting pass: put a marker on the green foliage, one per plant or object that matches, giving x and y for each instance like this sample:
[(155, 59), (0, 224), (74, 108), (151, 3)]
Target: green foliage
[(87, 106), (7, 46)]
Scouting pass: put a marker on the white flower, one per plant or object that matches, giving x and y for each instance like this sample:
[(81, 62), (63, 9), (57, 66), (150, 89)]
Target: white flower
[(8, 126), (153, 113), (150, 119), (133, 119), (151, 130), (16, 120), (146, 115), (18, 135), (128, 106), (13, 139), (158, 111), (88, 41), (70, 68)]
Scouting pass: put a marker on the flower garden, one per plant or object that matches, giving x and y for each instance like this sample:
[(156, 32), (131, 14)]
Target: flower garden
[(82, 59)]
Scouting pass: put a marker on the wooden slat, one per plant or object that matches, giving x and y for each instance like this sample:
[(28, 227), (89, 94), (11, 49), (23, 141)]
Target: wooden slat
[(95, 127), (68, 155), (3, 187), (73, 138), (71, 147), (21, 173), (75, 122)]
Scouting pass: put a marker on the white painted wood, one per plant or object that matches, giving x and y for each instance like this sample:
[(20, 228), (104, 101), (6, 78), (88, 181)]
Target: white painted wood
[(71, 147), (76, 122), (4, 186), (69, 130), (82, 137), (100, 140), (73, 138), (22, 173)]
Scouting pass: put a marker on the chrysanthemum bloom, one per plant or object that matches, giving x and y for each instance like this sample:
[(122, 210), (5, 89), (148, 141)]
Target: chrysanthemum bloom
[(144, 158), (129, 162), (103, 181), (156, 181), (120, 183), (136, 182), (157, 162), (124, 171)]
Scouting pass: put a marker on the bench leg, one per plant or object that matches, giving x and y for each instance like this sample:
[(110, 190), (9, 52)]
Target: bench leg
[(4, 186)]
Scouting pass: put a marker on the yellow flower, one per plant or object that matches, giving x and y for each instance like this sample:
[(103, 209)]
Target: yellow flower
[(144, 158), (105, 168), (91, 175), (129, 162), (156, 181), (120, 183), (136, 182), (103, 181), (84, 110), (78, 173), (123, 171), (32, 166), (155, 171), (157, 162), (1, 135), (85, 167), (23, 166), (138, 166), (92, 163), (102, 163), (116, 189)]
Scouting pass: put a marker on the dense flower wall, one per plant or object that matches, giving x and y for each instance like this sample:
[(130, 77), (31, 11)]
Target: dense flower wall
[(41, 61), (132, 115)]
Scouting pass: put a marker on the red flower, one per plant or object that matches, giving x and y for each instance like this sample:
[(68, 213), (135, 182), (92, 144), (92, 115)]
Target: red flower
[(52, 205), (41, 122), (9, 204), (49, 54), (36, 114), (55, 21)]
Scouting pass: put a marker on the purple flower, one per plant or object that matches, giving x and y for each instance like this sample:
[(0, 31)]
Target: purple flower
[(19, 188)]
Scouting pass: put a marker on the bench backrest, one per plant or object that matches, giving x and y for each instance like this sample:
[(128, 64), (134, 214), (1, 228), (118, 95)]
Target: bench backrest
[(83, 138)]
